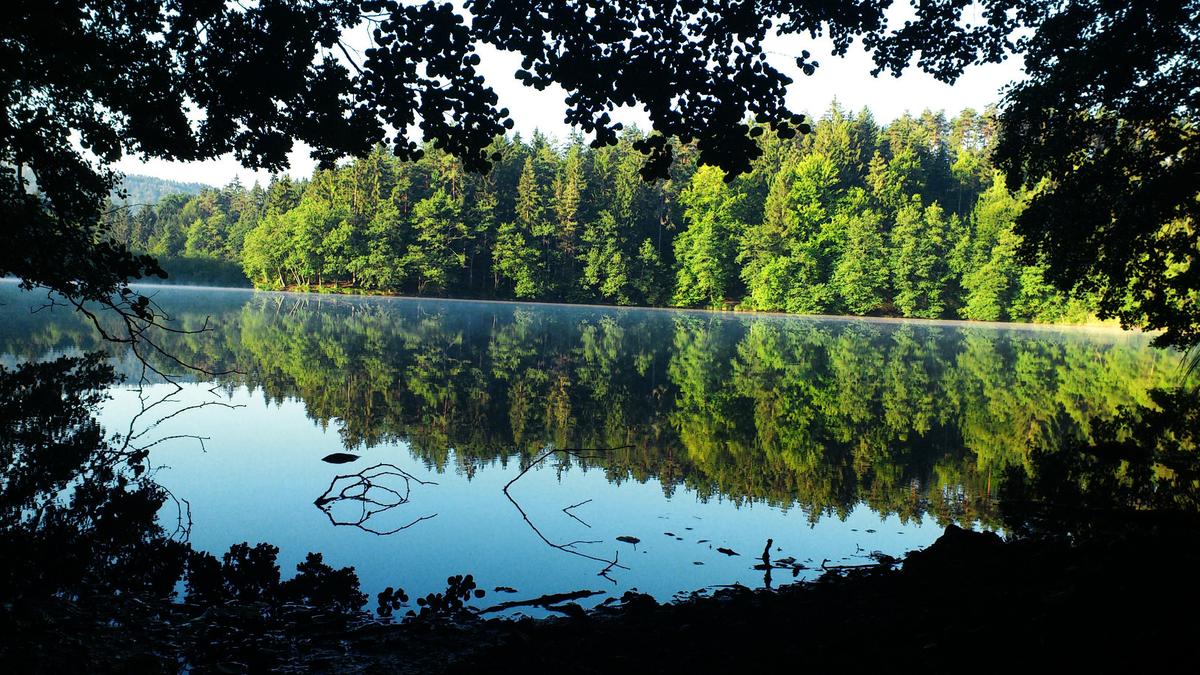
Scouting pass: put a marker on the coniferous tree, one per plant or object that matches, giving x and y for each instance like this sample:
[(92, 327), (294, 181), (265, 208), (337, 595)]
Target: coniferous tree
[(907, 219), (706, 248)]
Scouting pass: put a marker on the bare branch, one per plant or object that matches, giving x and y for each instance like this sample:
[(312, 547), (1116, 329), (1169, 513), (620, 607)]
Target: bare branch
[(567, 510), (372, 497), (579, 453)]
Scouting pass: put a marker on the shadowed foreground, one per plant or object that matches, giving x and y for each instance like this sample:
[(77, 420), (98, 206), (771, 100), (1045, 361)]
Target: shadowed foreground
[(970, 601)]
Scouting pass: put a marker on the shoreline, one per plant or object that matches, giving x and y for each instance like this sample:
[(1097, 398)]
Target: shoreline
[(1100, 326), (1103, 327)]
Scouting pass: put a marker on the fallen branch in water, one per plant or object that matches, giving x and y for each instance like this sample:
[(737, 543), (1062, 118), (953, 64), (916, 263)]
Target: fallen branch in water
[(567, 510), (543, 601), (604, 572), (372, 497), (578, 453)]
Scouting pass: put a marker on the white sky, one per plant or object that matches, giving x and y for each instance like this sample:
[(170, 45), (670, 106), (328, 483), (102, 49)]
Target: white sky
[(847, 79)]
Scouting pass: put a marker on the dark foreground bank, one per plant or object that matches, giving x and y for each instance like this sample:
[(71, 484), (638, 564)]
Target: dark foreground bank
[(970, 602)]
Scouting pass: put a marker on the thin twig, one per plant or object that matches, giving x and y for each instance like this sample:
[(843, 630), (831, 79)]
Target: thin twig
[(604, 572), (360, 489), (567, 510), (578, 453)]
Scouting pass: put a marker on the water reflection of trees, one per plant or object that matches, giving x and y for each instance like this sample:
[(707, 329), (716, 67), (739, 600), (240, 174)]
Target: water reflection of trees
[(822, 415)]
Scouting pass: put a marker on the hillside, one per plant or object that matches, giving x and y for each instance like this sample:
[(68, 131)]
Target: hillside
[(149, 190)]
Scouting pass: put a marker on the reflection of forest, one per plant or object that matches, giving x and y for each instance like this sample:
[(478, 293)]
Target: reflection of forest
[(823, 415)]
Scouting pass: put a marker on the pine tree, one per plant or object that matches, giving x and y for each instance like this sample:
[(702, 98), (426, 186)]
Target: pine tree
[(705, 249), (568, 193)]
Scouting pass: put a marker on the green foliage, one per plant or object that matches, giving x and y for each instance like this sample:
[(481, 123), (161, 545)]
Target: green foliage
[(919, 252), (911, 418), (704, 251), (606, 265), (436, 255), (859, 278), (788, 258), (206, 237), (905, 219), (516, 260), (1106, 141), (1118, 226)]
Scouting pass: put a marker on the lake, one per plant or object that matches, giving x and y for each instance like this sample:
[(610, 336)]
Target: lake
[(697, 434)]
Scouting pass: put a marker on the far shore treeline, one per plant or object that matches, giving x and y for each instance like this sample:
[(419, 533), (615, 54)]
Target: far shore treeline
[(904, 219)]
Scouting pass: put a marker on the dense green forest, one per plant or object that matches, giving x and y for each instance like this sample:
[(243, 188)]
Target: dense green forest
[(904, 219)]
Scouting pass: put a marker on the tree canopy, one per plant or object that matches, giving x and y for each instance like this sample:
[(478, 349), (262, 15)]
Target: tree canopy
[(1106, 127), (188, 80)]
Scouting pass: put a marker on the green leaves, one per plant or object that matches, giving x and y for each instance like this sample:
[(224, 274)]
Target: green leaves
[(705, 250), (816, 228)]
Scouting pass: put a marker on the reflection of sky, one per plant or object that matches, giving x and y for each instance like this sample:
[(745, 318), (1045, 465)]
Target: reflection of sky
[(261, 471)]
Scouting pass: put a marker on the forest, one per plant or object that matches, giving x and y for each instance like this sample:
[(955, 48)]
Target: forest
[(1076, 197), (907, 219)]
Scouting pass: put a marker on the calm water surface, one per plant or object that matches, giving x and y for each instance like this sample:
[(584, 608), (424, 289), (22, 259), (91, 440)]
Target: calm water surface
[(835, 438)]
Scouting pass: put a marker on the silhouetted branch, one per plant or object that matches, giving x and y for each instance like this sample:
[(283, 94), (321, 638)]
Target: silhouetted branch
[(373, 498), (604, 572), (567, 510), (130, 443), (349, 59), (543, 601), (578, 453), (137, 320), (183, 512)]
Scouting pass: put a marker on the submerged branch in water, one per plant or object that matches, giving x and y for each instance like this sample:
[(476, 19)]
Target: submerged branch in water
[(372, 497), (543, 601), (578, 453)]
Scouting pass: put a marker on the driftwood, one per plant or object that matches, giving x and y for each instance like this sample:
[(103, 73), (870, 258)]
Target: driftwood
[(543, 601)]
